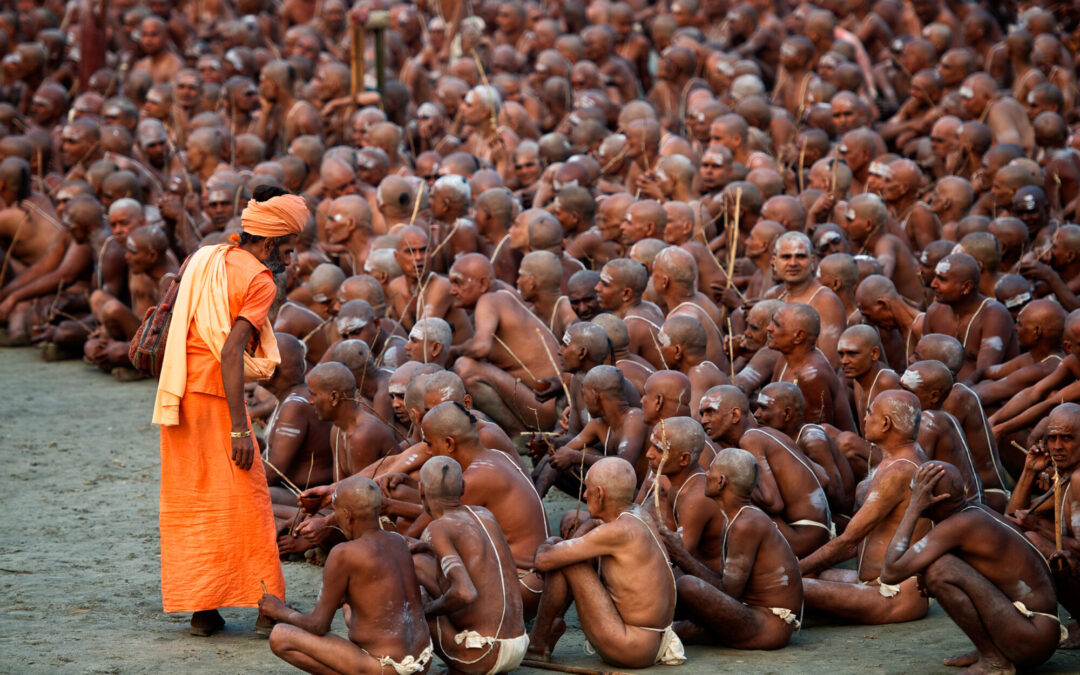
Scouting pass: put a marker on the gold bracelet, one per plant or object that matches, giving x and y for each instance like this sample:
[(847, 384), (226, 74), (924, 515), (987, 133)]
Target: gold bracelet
[(240, 434)]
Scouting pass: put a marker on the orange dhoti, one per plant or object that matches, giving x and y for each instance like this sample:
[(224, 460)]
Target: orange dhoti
[(217, 525)]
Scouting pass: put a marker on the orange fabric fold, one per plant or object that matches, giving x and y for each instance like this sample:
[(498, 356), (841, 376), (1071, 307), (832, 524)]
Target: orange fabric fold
[(203, 307), (276, 217), (218, 539)]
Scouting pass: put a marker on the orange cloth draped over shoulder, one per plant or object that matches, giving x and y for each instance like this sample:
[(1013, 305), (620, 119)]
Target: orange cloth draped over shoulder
[(218, 539)]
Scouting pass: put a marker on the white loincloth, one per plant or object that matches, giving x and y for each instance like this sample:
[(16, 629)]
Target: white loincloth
[(408, 665), (511, 650)]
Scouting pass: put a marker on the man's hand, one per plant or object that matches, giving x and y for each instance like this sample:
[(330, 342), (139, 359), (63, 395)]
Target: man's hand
[(243, 452), (564, 458), (922, 487), (1037, 459), (1034, 269), (387, 482), (313, 529), (1064, 562), (324, 492), (271, 607)]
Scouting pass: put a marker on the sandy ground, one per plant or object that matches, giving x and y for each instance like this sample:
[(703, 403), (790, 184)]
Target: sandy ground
[(79, 555)]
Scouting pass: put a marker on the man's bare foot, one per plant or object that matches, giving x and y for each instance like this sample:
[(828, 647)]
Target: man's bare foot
[(962, 660), (990, 667), (206, 623), (1073, 641), (558, 627)]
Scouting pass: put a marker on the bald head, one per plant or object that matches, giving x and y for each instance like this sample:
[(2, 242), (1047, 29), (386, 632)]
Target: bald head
[(686, 332), (927, 377), (605, 380), (723, 398), (332, 377), (941, 347), (358, 496), (739, 468), (897, 412), (678, 265), (473, 266), (592, 338), (678, 436), (448, 420), (354, 355), (615, 328), (440, 479), (616, 477), (802, 317)]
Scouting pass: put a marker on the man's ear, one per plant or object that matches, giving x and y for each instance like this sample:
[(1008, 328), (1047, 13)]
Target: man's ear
[(436, 348), (875, 353), (467, 401)]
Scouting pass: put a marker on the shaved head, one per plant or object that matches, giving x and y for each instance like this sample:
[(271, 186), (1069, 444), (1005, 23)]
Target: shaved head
[(449, 420), (739, 468), (440, 478), (332, 377), (941, 347), (679, 435), (616, 476), (725, 397), (902, 409), (359, 496)]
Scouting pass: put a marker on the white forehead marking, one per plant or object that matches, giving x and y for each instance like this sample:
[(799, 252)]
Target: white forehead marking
[(566, 337), (911, 379), (850, 216), (710, 402), (663, 338), (943, 267), (350, 324), (763, 399), (1018, 300), (396, 388), (416, 333), (606, 278)]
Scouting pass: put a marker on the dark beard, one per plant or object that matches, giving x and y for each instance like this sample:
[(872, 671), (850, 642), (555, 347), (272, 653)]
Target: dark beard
[(274, 263)]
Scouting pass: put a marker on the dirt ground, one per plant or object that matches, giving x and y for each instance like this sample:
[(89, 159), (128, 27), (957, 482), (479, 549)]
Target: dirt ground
[(79, 556)]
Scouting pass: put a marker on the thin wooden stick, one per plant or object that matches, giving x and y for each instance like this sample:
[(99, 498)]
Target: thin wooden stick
[(1019, 447), (515, 357), (416, 204), (731, 348), (558, 369), (285, 478), (734, 243), (659, 472), (802, 161), (1057, 509), (835, 163), (263, 584)]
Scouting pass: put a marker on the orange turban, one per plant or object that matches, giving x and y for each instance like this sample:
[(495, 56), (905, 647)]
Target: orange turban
[(276, 217)]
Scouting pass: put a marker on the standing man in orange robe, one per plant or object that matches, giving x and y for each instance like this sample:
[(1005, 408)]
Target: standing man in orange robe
[(218, 544)]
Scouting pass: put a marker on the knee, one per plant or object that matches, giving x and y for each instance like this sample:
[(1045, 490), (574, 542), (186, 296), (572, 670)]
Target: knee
[(687, 585), (114, 310), (465, 369), (98, 300), (938, 574), (280, 641)]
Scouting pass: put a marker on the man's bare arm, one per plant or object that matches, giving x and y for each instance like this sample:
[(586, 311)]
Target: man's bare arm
[(462, 592), (881, 499)]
